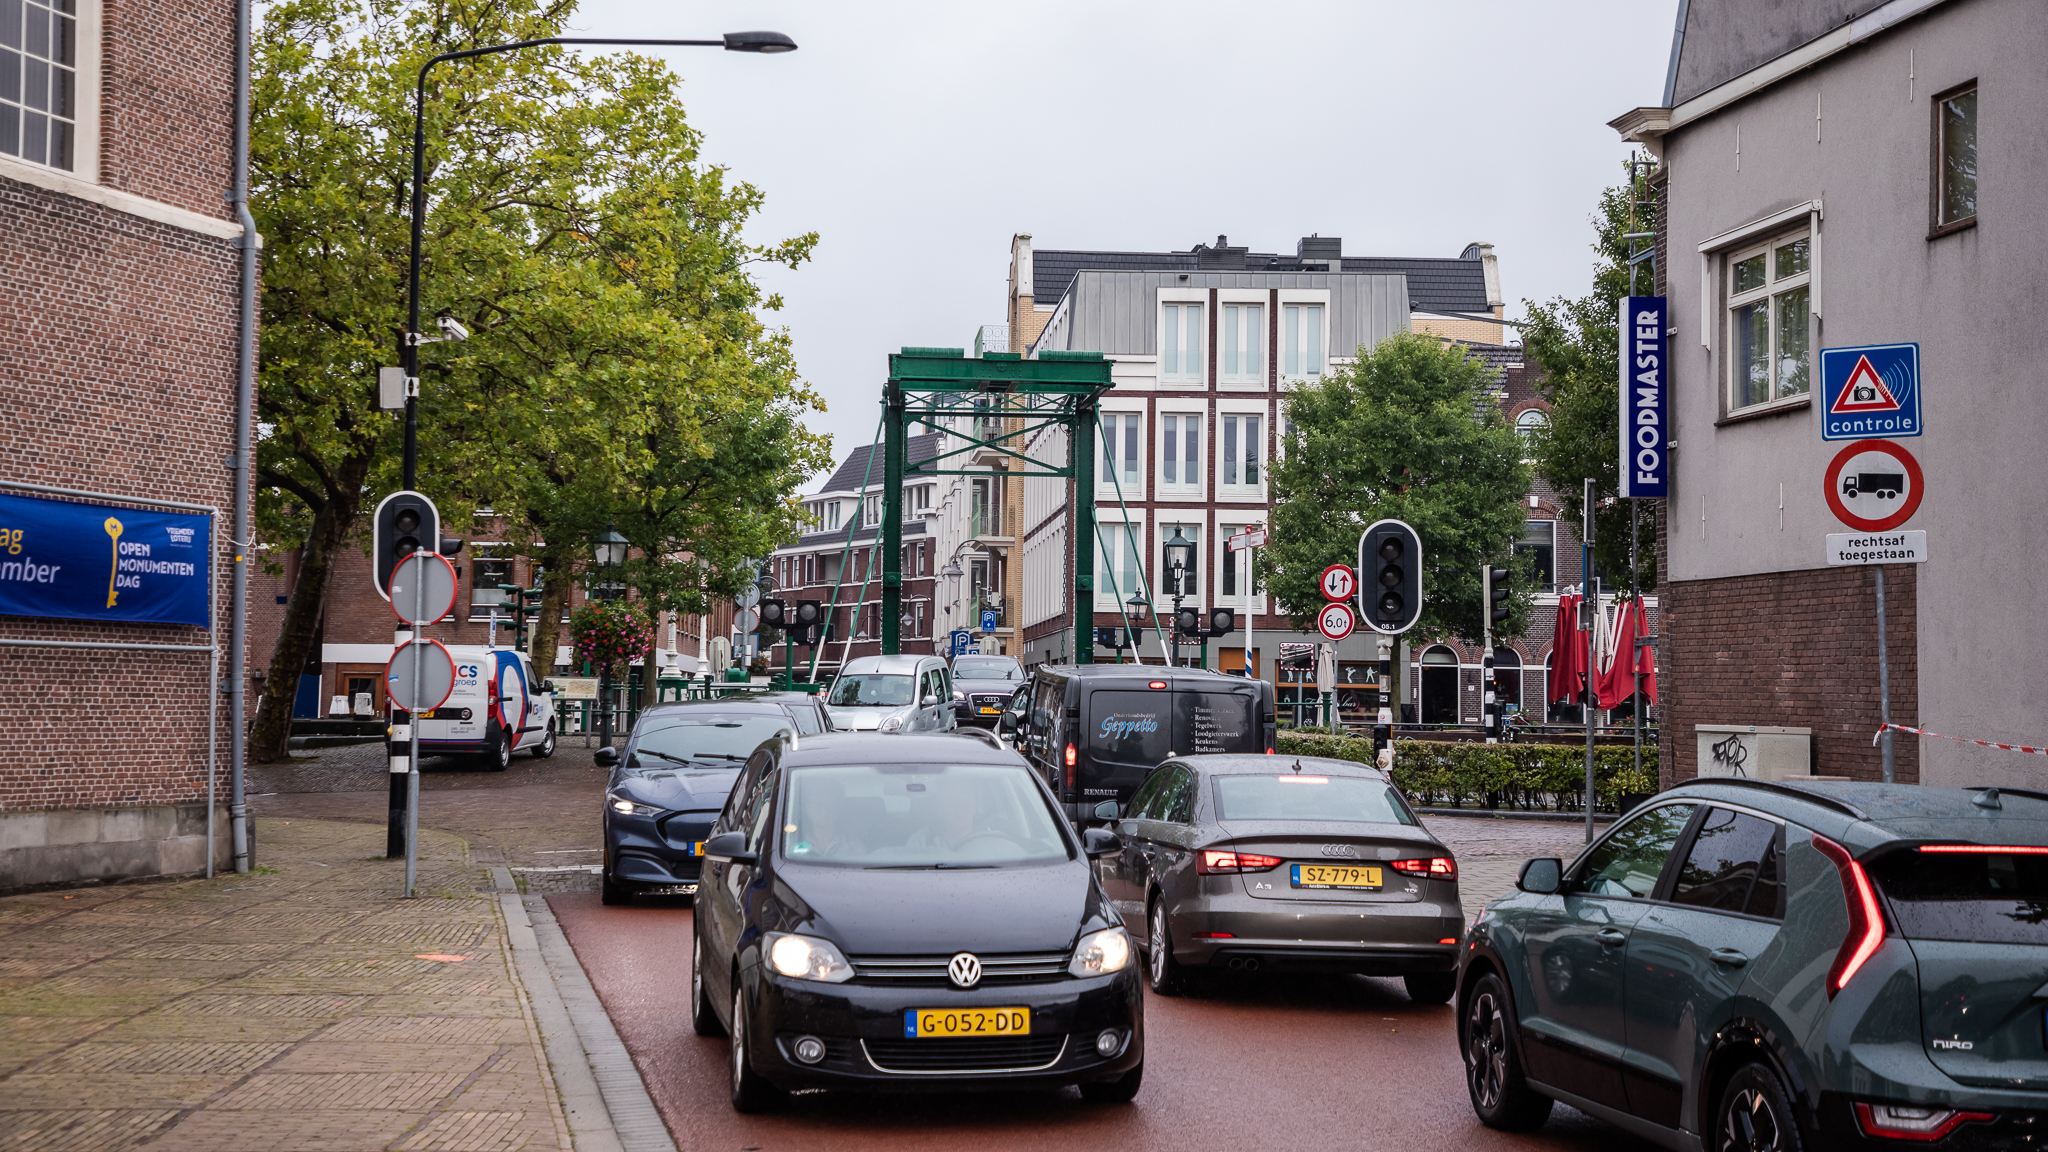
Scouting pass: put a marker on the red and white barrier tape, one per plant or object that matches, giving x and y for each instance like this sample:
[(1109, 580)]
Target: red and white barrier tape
[(1964, 739)]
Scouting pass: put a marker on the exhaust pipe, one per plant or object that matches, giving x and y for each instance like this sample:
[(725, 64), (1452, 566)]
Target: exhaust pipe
[(1243, 964)]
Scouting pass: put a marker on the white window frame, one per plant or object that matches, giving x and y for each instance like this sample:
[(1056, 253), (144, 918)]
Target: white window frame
[(1131, 475), (1257, 602), (1180, 488), (1180, 376), (1774, 287), (85, 155), (1220, 437), (1118, 533), (1238, 300), (1299, 332)]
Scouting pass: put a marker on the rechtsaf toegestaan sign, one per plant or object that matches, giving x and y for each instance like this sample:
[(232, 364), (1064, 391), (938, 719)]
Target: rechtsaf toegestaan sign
[(100, 562), (1645, 427)]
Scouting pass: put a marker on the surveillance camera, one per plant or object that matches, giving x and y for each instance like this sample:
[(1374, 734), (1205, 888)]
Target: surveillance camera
[(452, 329)]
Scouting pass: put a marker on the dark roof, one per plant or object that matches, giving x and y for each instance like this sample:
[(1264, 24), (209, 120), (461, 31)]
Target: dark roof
[(1433, 283), (835, 537), (1499, 357), (846, 478)]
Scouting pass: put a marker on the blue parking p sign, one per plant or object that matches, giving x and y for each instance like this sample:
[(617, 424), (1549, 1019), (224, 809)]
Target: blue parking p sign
[(988, 619), (1870, 391), (962, 640)]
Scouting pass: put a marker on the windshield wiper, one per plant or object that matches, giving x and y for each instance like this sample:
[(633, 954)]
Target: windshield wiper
[(637, 752), (718, 756), (923, 867)]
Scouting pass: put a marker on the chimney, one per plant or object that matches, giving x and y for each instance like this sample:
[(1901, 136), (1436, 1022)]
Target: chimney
[(1320, 248), (1221, 256), (1489, 267)]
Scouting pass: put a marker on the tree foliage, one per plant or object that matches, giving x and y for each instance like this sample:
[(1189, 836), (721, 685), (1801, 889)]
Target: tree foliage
[(1577, 344), (598, 264), (1408, 431)]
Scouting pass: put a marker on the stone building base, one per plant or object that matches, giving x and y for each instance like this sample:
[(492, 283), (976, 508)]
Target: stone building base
[(87, 845)]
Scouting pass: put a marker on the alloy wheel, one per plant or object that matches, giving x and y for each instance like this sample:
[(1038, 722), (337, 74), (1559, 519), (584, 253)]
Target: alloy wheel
[(1752, 1125), (739, 1037), (1486, 1051), (1159, 954)]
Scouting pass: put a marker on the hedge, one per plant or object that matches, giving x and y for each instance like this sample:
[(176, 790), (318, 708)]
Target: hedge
[(1528, 776)]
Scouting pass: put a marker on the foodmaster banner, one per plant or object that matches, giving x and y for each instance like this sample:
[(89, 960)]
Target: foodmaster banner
[(98, 562)]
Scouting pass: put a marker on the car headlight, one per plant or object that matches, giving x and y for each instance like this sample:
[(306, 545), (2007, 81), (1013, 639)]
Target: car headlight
[(626, 807), (1101, 953), (890, 723), (958, 695), (807, 958)]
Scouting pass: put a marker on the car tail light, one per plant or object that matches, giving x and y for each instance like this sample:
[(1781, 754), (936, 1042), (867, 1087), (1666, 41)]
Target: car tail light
[(1436, 867), (1214, 862), (2015, 849), (1866, 918), (1912, 1122), (1448, 940), (1156, 684), (1070, 767)]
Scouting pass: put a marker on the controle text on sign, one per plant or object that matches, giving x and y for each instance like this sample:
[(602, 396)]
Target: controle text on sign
[(1645, 455)]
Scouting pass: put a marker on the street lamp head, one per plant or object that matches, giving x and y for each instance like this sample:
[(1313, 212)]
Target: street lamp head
[(1137, 608), (764, 42), (1180, 557), (609, 548)]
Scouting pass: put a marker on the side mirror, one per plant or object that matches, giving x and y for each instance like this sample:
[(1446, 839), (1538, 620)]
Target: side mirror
[(930, 699), (728, 848), (606, 757), (1542, 876), (1007, 722), (1101, 842), (547, 685), (1107, 810)]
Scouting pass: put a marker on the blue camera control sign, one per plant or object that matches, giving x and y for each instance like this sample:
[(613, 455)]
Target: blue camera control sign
[(1645, 409), (99, 562), (1871, 391)]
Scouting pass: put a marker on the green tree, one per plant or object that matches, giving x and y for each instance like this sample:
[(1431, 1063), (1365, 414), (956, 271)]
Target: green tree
[(1409, 431), (1577, 344), (570, 226)]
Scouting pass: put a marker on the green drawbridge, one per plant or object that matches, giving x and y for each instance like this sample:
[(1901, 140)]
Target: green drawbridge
[(1005, 399)]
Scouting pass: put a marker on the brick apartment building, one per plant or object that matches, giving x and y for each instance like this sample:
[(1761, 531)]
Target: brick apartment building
[(1822, 191), (121, 258)]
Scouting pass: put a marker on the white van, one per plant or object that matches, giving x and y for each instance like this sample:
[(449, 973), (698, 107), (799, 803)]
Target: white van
[(498, 707)]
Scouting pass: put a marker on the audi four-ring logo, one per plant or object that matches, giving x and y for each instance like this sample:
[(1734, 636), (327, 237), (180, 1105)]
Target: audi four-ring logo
[(1339, 850), (965, 970)]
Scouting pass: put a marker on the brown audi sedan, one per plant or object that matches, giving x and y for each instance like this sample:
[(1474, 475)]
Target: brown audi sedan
[(1248, 864)]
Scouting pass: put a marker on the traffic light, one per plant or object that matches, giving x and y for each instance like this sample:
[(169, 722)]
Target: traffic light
[(1496, 582), (1222, 622), (1390, 561), (1188, 622), (404, 523), (774, 613), (807, 622)]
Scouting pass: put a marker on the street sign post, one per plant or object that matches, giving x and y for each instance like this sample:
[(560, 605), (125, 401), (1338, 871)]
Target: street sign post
[(1873, 485), (1871, 390), (1335, 621)]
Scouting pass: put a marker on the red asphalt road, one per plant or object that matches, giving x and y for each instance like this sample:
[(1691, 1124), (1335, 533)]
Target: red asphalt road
[(1311, 1063)]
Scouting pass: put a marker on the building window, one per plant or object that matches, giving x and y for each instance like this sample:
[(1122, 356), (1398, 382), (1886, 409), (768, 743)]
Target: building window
[(39, 81), (984, 510), (1539, 542), (1120, 451), (1955, 152), (1117, 575), (1527, 424), (1301, 341), (1241, 451), (1231, 578), (1192, 583), (1244, 344), (1180, 451), (487, 570), (1181, 344), (832, 515), (1767, 322)]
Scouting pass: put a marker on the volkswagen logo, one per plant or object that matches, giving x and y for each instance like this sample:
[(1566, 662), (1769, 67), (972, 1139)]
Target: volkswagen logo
[(1340, 850), (964, 970)]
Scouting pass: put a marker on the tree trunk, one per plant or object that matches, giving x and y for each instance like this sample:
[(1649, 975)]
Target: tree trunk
[(547, 627), (270, 735)]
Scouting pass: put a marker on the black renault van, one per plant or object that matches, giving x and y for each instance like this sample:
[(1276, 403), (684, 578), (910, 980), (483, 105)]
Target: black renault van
[(1096, 730)]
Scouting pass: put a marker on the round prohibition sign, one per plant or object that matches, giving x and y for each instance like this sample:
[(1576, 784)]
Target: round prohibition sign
[(1335, 621), (420, 676), (423, 588), (1872, 473), (1339, 582)]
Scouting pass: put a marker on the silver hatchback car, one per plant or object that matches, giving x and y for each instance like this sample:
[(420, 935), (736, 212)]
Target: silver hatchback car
[(1284, 864), (892, 694)]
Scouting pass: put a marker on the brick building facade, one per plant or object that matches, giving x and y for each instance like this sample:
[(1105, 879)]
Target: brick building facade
[(120, 258)]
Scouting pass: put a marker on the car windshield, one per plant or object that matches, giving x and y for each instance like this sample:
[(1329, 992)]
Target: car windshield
[(1349, 799), (919, 816), (871, 691), (705, 739), (965, 669)]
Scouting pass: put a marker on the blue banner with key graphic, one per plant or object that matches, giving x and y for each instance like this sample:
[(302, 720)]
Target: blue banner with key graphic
[(99, 562)]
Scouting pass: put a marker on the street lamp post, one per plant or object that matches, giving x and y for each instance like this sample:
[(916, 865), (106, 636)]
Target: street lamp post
[(1135, 611), (609, 550), (1180, 558), (759, 42)]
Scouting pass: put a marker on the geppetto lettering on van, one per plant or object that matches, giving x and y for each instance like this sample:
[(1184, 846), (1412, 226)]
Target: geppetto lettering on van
[(1115, 727)]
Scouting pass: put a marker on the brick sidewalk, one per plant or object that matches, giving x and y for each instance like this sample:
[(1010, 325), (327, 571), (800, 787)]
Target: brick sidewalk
[(286, 1010), (1490, 851)]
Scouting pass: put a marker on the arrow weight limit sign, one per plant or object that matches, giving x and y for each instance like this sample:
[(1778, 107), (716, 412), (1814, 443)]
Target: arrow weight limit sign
[(1335, 621), (423, 588), (1339, 582), (420, 676)]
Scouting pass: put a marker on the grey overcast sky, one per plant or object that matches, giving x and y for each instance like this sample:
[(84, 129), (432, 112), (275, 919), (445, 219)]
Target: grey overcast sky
[(916, 137)]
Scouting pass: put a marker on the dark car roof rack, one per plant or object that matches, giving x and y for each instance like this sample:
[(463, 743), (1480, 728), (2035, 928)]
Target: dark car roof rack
[(1784, 789)]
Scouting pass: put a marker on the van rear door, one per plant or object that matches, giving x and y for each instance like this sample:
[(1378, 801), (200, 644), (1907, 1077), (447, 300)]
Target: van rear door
[(1124, 735), (1210, 720)]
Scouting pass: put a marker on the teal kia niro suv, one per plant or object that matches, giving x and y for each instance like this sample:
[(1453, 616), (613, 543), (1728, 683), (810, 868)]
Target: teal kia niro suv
[(1748, 965)]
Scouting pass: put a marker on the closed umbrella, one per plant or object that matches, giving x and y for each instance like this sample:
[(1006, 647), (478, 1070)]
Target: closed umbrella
[(1567, 652)]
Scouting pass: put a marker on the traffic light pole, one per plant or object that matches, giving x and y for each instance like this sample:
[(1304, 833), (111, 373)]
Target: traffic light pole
[(1589, 607)]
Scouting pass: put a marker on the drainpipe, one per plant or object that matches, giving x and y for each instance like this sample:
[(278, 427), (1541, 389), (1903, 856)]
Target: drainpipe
[(240, 467)]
